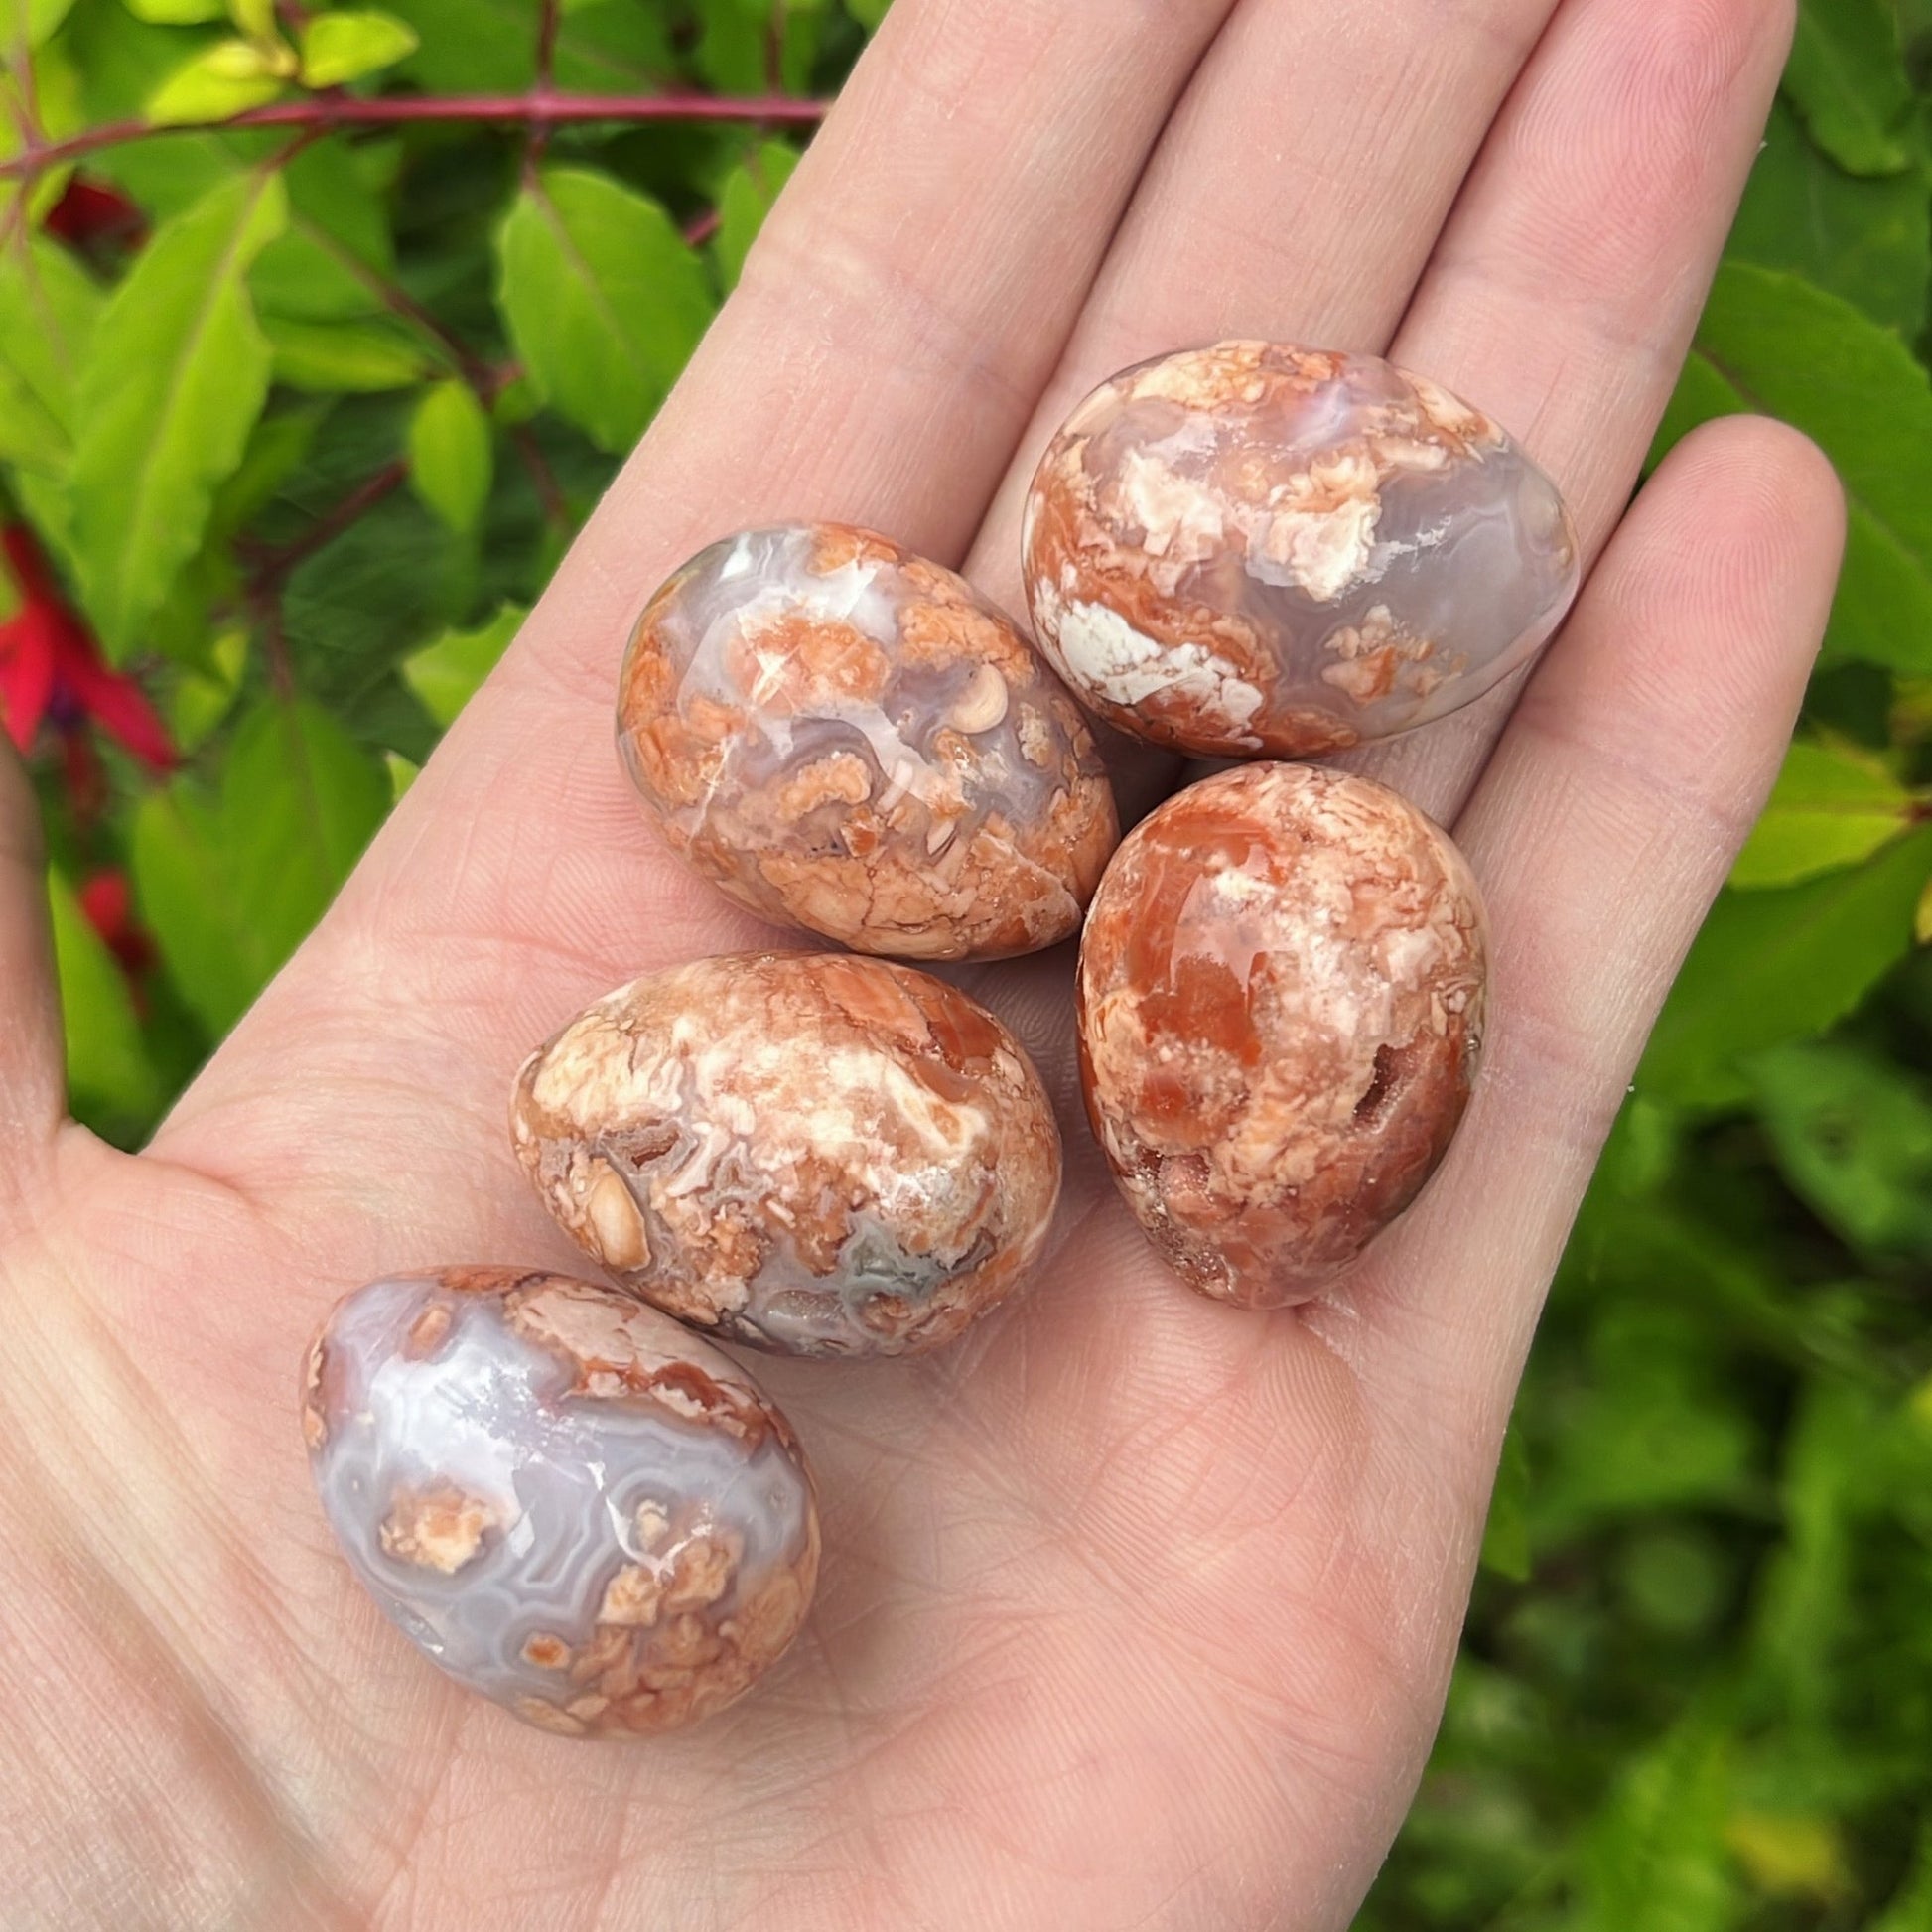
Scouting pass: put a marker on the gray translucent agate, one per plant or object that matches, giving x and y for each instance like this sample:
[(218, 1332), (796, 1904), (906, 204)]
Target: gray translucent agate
[(564, 1500)]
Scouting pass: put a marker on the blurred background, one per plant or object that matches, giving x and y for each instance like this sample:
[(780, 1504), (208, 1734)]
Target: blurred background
[(295, 417)]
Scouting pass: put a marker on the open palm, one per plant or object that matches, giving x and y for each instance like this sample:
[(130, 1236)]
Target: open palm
[(1138, 1610)]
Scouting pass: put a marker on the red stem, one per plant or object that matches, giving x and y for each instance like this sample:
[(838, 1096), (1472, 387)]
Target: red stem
[(272, 568), (547, 23), (549, 18), (327, 112), (550, 493)]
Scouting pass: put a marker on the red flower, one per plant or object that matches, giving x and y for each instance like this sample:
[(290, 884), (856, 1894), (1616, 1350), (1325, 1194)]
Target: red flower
[(51, 669), (109, 909), (91, 213)]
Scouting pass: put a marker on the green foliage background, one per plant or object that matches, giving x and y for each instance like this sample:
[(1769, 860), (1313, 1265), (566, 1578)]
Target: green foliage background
[(304, 456)]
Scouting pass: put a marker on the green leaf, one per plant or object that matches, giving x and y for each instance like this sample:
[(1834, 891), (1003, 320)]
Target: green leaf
[(42, 17), (120, 62), (255, 18), (751, 45), (109, 1072), (276, 449), (176, 855), (177, 13), (488, 46), (445, 676), (48, 306), (867, 13), (1867, 240), (173, 381), (1775, 966), (471, 45), (1847, 77), (1506, 1535), (227, 78), (348, 45), (1653, 1427), (45, 502), (59, 107), (343, 358), (750, 191), (1672, 1580), (1910, 1907), (364, 601), (1656, 1858), (1789, 1854), (1772, 342), (1854, 1137), (201, 698), (328, 265), (450, 453), (1800, 1620), (403, 772), (515, 402), (1832, 806), (232, 883), (603, 297)]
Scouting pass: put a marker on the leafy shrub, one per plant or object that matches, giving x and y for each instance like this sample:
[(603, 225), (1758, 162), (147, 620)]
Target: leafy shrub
[(297, 416), (1696, 1688)]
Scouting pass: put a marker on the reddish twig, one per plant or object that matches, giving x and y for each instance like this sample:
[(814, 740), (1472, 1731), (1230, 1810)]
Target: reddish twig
[(543, 479), (272, 568), (701, 229), (404, 306), (775, 51), (548, 15), (326, 113)]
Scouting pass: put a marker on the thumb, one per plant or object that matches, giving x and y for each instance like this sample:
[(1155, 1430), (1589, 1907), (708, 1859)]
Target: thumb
[(32, 1065)]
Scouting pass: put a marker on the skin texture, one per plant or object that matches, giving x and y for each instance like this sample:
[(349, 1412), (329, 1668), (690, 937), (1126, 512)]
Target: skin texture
[(1259, 548), (809, 1153), (844, 737), (566, 1501), (1083, 1655), (1281, 1003)]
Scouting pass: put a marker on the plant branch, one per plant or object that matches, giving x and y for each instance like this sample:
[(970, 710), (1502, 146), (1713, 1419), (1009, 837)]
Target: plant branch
[(326, 113), (273, 568), (543, 479), (404, 306), (547, 19)]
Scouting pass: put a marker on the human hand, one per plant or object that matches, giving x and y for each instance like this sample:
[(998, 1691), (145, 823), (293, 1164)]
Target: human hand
[(1138, 1610)]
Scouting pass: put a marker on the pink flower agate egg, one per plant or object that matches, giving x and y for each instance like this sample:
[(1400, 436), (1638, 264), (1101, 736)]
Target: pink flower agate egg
[(846, 738), (1257, 550), (815, 1154), (1279, 1004)]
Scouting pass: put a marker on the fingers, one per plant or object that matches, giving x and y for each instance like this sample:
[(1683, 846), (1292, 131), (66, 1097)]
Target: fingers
[(907, 297), (888, 342), (32, 1067), (1296, 194), (1567, 286), (1604, 824)]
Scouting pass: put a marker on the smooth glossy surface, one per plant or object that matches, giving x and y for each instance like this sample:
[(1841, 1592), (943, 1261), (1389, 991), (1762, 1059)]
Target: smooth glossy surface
[(1280, 1003), (814, 1154), (849, 739), (566, 1501), (1255, 549)]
